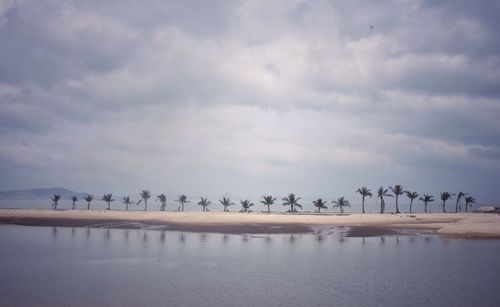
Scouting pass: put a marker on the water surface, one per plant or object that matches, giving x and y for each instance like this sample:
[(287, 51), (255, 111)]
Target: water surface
[(47, 266)]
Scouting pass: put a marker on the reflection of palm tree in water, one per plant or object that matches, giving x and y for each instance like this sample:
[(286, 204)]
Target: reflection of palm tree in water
[(363, 241), (182, 238), (88, 232), (145, 237), (107, 234), (320, 238), (126, 234), (54, 231), (162, 236), (268, 238), (203, 237), (292, 238), (225, 237)]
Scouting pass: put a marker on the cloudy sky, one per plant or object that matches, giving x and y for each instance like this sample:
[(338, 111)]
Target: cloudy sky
[(250, 97)]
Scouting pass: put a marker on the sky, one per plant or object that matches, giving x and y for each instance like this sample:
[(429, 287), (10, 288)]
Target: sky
[(246, 98)]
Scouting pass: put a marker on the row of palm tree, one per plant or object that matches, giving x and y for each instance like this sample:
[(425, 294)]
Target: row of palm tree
[(290, 201), (398, 190)]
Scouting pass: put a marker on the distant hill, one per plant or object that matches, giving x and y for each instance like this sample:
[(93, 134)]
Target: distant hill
[(41, 193)]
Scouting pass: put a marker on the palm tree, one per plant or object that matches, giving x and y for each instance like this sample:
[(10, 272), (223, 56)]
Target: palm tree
[(89, 199), (319, 204), (182, 200), (380, 194), (163, 200), (108, 198), (246, 204), (340, 203), (397, 190), (55, 199), (268, 201), (411, 196), (427, 199), (126, 201), (291, 201), (145, 195), (444, 197), (204, 202), (469, 201), (364, 191), (457, 204), (226, 202), (74, 199)]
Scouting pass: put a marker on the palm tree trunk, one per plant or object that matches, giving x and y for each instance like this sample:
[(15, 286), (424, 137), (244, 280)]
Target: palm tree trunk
[(425, 207), (363, 204), (456, 206), (268, 208), (411, 203), (182, 207), (381, 205), (397, 207), (88, 205), (109, 205), (444, 208), (466, 205), (145, 205)]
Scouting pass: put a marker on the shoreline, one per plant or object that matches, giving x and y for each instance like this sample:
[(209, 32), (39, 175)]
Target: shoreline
[(460, 225)]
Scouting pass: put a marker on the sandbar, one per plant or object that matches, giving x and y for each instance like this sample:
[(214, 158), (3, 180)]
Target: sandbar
[(463, 225)]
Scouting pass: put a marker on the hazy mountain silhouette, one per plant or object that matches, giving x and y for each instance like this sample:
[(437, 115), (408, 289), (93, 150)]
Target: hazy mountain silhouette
[(39, 193)]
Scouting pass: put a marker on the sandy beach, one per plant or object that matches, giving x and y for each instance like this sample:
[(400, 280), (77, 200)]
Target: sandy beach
[(468, 225)]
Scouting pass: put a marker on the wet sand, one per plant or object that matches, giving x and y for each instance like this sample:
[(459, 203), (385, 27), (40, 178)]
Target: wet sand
[(371, 231), (158, 225), (468, 225)]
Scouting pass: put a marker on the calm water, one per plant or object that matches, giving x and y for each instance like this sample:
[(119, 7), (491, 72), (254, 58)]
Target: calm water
[(47, 266)]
